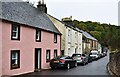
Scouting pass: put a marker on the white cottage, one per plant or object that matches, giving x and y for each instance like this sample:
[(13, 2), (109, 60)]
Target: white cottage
[(71, 39)]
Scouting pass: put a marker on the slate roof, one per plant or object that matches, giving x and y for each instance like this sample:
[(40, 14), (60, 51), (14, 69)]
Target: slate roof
[(24, 13), (66, 24), (87, 35)]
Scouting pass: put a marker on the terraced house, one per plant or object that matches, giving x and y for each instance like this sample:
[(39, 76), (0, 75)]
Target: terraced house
[(28, 38), (71, 39), (89, 42)]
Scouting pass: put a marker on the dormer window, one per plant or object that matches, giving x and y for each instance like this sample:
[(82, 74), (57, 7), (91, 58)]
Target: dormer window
[(38, 36), (15, 34)]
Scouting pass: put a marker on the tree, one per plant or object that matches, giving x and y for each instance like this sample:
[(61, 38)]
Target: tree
[(96, 34), (106, 34)]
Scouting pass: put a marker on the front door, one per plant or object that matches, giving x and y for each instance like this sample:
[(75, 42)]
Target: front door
[(37, 59)]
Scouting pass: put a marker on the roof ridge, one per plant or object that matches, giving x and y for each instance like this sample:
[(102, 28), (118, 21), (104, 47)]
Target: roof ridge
[(23, 13)]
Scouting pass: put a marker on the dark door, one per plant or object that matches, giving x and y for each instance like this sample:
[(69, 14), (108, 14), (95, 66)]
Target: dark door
[(37, 58), (62, 52)]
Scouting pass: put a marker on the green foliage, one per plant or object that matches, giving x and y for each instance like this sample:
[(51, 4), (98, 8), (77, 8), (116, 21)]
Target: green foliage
[(99, 28), (96, 34), (106, 34)]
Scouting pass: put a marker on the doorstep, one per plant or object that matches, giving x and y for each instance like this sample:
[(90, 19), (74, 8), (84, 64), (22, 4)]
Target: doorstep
[(46, 69)]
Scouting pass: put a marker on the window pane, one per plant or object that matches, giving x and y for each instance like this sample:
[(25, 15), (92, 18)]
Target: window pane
[(55, 38), (69, 35), (38, 35), (55, 53), (15, 32), (15, 28), (47, 55), (15, 59), (13, 55)]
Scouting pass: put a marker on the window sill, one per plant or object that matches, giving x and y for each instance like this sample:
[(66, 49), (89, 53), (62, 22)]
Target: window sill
[(15, 39), (15, 67)]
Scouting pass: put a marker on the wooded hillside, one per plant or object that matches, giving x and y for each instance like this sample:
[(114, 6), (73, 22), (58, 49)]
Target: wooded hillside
[(106, 34)]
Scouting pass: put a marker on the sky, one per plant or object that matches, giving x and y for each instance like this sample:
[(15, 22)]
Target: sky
[(103, 11)]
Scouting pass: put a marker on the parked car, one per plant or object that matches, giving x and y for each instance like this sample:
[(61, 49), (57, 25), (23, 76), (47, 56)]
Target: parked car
[(100, 56), (80, 58), (89, 58), (63, 61), (104, 53), (94, 54)]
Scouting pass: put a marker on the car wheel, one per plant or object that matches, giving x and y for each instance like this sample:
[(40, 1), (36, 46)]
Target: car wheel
[(87, 62), (52, 67), (83, 63), (75, 64), (68, 66)]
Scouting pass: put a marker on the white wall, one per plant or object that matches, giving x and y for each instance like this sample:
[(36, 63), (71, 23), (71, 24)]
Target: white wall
[(69, 46), (80, 50), (99, 48), (75, 43), (64, 38), (66, 42)]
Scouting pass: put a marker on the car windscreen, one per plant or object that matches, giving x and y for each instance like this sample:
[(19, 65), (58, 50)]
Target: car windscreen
[(76, 55), (93, 53), (83, 55)]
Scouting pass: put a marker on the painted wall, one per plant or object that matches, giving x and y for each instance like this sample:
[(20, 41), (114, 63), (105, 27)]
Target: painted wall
[(89, 45), (99, 48), (68, 47), (0, 48), (26, 45), (61, 27), (80, 47), (74, 44)]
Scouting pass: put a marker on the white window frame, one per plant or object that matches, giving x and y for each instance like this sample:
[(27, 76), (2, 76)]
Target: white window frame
[(55, 53), (15, 31), (15, 58), (76, 38), (37, 35), (69, 33), (47, 55), (55, 38)]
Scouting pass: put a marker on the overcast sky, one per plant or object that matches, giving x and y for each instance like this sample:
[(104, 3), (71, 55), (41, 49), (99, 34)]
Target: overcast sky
[(104, 11)]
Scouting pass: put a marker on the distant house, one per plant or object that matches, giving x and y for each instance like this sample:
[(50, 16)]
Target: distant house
[(28, 38), (71, 39), (99, 48), (89, 42)]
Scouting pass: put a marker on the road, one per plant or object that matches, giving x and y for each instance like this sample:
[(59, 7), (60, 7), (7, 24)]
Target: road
[(94, 68)]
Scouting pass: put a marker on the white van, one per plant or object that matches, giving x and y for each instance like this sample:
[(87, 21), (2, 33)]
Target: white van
[(94, 54)]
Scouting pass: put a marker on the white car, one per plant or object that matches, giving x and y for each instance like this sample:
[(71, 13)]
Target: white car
[(94, 54)]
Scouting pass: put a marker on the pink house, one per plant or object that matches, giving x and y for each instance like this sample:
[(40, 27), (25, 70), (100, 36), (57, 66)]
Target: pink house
[(28, 39)]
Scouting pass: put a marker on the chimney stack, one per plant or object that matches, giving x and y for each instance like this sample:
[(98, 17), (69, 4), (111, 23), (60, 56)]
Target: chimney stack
[(68, 20), (42, 6)]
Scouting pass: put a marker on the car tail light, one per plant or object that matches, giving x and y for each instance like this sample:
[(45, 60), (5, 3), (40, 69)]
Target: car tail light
[(50, 60), (82, 58), (62, 61)]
